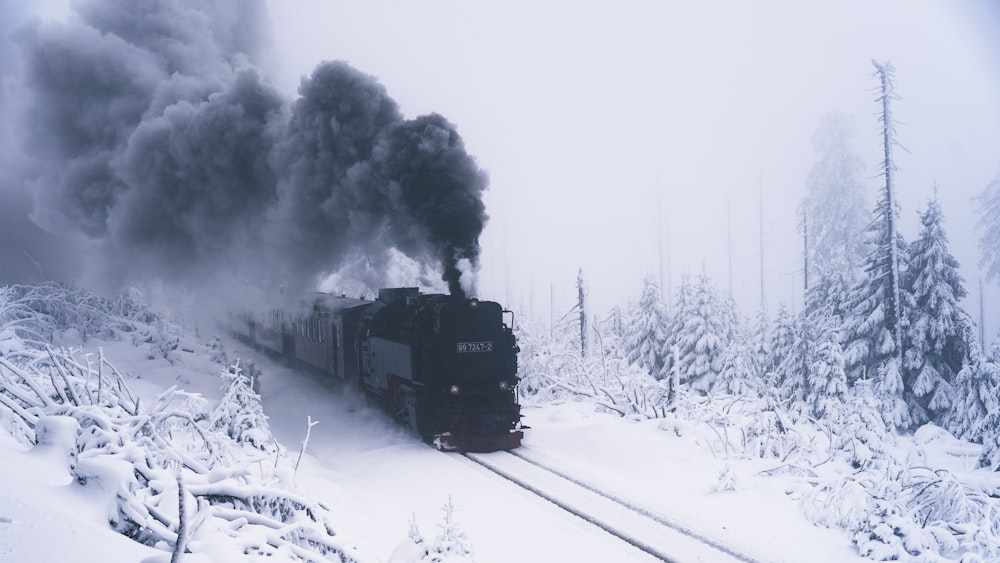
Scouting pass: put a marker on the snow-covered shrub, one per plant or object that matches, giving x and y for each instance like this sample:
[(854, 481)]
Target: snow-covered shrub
[(39, 312), (240, 414), (162, 338), (547, 364), (36, 383), (896, 513), (553, 369), (861, 434), (413, 549), (727, 480), (217, 352), (960, 516), (841, 503), (451, 545), (750, 428), (136, 458)]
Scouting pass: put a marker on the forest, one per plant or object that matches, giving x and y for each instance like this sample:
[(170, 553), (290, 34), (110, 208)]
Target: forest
[(882, 348)]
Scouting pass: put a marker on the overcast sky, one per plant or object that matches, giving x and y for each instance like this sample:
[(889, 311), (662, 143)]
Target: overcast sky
[(591, 116), (636, 138)]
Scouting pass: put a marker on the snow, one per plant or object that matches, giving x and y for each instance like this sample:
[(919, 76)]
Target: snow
[(388, 493)]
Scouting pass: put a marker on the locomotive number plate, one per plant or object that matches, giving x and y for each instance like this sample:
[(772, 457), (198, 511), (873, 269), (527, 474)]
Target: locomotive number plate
[(464, 347)]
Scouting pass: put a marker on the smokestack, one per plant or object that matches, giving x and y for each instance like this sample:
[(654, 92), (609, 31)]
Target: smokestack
[(158, 138)]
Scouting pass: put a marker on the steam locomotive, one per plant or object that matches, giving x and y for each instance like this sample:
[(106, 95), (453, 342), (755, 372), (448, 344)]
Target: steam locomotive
[(444, 364)]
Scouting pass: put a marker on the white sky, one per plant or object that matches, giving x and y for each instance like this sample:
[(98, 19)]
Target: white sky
[(585, 114)]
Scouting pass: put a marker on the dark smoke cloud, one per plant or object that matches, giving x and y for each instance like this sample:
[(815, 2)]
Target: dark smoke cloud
[(359, 175), (153, 132), (435, 192), (28, 254)]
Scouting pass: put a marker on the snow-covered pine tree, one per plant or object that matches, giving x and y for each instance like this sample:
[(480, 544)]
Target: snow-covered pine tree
[(705, 325), (759, 337), (987, 428), (976, 413), (240, 413), (861, 434), (875, 325), (935, 337), (871, 349), (827, 382), (746, 361), (645, 332), (780, 342), (977, 388), (451, 546), (833, 212), (827, 299), (989, 226), (683, 301), (742, 373), (791, 376)]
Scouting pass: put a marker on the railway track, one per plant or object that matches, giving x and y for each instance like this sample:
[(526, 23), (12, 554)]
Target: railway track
[(641, 528)]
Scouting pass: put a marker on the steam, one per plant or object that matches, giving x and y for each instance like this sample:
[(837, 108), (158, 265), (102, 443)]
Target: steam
[(153, 132)]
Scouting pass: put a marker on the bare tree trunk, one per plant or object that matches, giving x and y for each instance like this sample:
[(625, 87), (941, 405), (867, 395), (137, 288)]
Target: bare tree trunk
[(760, 194), (583, 314), (805, 253), (884, 72)]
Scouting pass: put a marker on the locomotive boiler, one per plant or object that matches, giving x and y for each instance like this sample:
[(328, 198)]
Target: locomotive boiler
[(443, 364)]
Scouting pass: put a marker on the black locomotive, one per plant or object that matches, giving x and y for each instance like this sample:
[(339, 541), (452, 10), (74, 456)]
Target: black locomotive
[(446, 365)]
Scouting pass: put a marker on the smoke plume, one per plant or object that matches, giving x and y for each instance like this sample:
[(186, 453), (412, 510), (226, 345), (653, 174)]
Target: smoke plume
[(150, 130)]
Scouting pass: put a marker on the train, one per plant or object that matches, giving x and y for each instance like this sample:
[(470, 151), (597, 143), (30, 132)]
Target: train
[(446, 365)]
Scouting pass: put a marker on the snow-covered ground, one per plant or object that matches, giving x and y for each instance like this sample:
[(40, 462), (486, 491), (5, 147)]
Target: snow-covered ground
[(378, 480)]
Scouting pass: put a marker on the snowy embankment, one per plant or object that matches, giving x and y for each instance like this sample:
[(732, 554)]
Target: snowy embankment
[(109, 459)]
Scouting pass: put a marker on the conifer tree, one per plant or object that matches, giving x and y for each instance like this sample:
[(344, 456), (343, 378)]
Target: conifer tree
[(741, 373), (240, 413), (829, 297), (781, 341), (451, 544), (827, 381), (791, 375), (703, 328), (984, 390), (989, 226), (833, 212), (646, 339), (935, 344), (875, 325), (977, 388)]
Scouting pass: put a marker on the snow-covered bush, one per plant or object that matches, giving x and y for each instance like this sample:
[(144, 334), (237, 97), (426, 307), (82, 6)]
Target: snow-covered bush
[(137, 456), (450, 546), (240, 414), (162, 339), (39, 312), (894, 512), (860, 434), (748, 428), (552, 368)]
